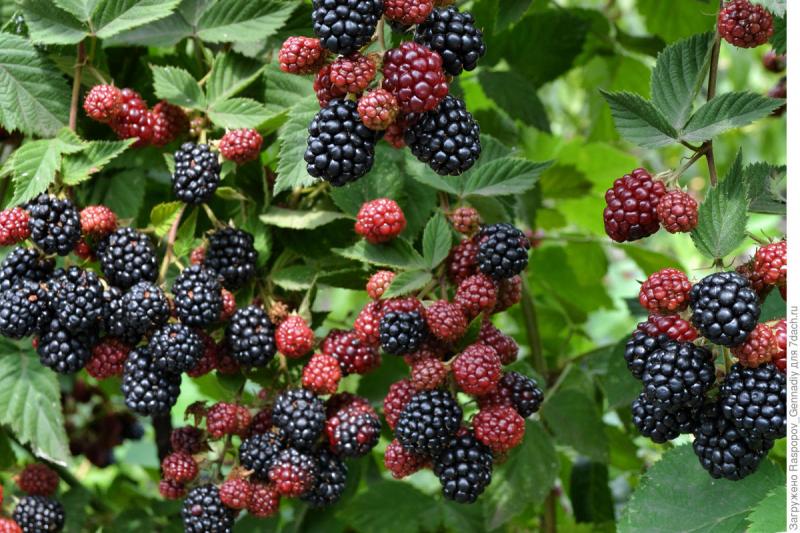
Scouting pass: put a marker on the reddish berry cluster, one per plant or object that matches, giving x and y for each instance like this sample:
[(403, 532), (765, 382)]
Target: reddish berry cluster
[(744, 24), (241, 146)]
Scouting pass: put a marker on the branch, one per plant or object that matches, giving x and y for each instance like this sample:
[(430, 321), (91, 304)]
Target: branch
[(76, 86), (163, 426), (712, 90), (168, 254)]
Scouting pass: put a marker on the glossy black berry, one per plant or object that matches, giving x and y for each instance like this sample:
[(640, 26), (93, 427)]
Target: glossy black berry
[(524, 392), (54, 223), (724, 308), (330, 482), (198, 296), (62, 350), (661, 425), (23, 308), (502, 251), (148, 390), (678, 375), (127, 257), (344, 26), (175, 348), (114, 320), (231, 253), (299, 416), (76, 298), (754, 400), (39, 514), (251, 336), (145, 308), (402, 333), (196, 174), (204, 512), (639, 348), (428, 422), (464, 468), (24, 263), (258, 453), (453, 35)]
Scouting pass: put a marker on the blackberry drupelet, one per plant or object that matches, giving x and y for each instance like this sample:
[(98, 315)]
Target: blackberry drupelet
[(341, 148), (145, 308), (76, 299), (196, 174), (251, 336), (464, 468), (54, 223), (330, 482), (231, 253), (344, 26), (204, 512), (447, 138), (402, 333), (754, 400), (659, 424), (24, 263), (39, 514), (299, 416), (502, 251), (127, 257), (175, 348), (428, 421), (148, 390), (198, 296), (724, 308), (639, 348), (258, 453), (678, 374), (23, 308), (63, 351), (454, 36)]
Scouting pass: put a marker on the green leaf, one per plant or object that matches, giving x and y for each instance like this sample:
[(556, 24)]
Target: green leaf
[(293, 219), (244, 20), (30, 404), (508, 175), (769, 515), (576, 421), (230, 74), (77, 168), (778, 39), (80, 9), (164, 32), (638, 120), (727, 111), (125, 195), (49, 24), (516, 97), (293, 137), (178, 87), (387, 507), (677, 19), (649, 261), (162, 216), (230, 193), (766, 188), (423, 174), (294, 278), (407, 282), (237, 113), (115, 16), (35, 166), (282, 89), (589, 492), (184, 239), (34, 96), (676, 494), (75, 502), (397, 253), (723, 215), (678, 76), (436, 241)]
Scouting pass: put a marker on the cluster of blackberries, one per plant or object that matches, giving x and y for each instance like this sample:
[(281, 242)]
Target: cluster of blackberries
[(735, 428), (410, 105), (37, 511)]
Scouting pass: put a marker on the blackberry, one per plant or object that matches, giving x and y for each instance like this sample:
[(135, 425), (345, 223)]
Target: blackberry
[(453, 36), (464, 468), (148, 390), (665, 291), (54, 223), (24, 263), (344, 26), (402, 463), (502, 251), (341, 148), (62, 350), (146, 308), (678, 375), (380, 220), (299, 416), (293, 473), (754, 400), (39, 514), (428, 422), (630, 212), (22, 308), (724, 308), (114, 317), (251, 336), (353, 73), (354, 433), (180, 467), (175, 348), (204, 512), (258, 453), (241, 146), (198, 296), (231, 253), (102, 102), (196, 174), (402, 333), (722, 450), (76, 298), (301, 55), (38, 479), (169, 122), (127, 257), (330, 482), (677, 212), (414, 74), (744, 24), (378, 109), (659, 424), (446, 138), (477, 369), (639, 349), (14, 226), (406, 13), (499, 427)]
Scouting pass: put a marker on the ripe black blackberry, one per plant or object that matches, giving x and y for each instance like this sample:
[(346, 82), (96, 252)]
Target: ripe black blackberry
[(355, 434), (196, 174), (231, 253), (341, 148), (345, 26), (428, 421), (299, 416), (724, 308), (76, 298), (754, 400), (145, 308), (251, 336), (175, 348), (258, 453), (402, 333), (330, 482), (127, 257), (204, 512), (502, 251), (198, 296), (464, 468), (639, 348), (722, 450), (523, 391), (39, 514), (677, 375), (54, 223), (23, 308), (454, 36), (62, 350), (24, 263), (114, 321), (148, 390), (659, 424), (447, 138)]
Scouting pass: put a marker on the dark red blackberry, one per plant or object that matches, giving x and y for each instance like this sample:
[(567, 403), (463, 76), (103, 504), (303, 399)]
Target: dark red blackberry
[(402, 333), (76, 299), (250, 335), (499, 427), (187, 439), (462, 261), (464, 468), (198, 296), (502, 251), (414, 74), (465, 220), (678, 374), (324, 87), (330, 481), (453, 35), (235, 492), (630, 212), (196, 174), (241, 146), (293, 337), (224, 418), (398, 395), (23, 308), (754, 400), (477, 369), (231, 253), (102, 102), (204, 512), (127, 257), (133, 120), (39, 514), (428, 374), (476, 294), (352, 432), (446, 138), (367, 324), (322, 374), (63, 351), (428, 422), (341, 148), (407, 12), (261, 422), (380, 220), (402, 463), (293, 473), (446, 321), (378, 109), (169, 123), (14, 226), (724, 308), (395, 133), (175, 348), (774, 62), (24, 263), (54, 224), (720, 448), (660, 424), (264, 500), (38, 479), (353, 73), (258, 453), (146, 307), (517, 391), (665, 291), (760, 347), (779, 358), (672, 326), (677, 212), (506, 347), (299, 416), (639, 349), (148, 390), (744, 24), (301, 55), (180, 467), (108, 358), (344, 26), (378, 283)]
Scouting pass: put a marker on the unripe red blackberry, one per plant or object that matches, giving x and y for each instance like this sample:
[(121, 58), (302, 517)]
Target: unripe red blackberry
[(630, 212), (759, 347), (37, 479), (352, 73), (354, 356), (397, 397), (414, 74), (324, 87), (97, 221), (367, 324), (301, 55), (665, 291), (770, 264), (133, 120), (677, 212), (241, 146), (408, 304), (264, 500), (235, 493), (261, 422), (744, 24), (428, 374), (462, 261), (431, 348), (380, 220), (293, 473), (477, 369), (378, 109), (227, 419), (8, 525), (774, 62), (187, 439), (293, 337), (673, 326), (102, 102), (499, 427), (446, 321), (108, 358), (402, 463), (198, 255), (407, 12), (170, 122), (171, 490), (353, 431), (395, 134), (476, 294), (228, 305), (180, 467), (14, 226), (378, 283), (465, 220), (322, 374), (509, 293), (506, 347), (779, 358)]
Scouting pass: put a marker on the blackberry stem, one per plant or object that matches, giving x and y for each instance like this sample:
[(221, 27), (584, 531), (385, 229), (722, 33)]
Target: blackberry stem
[(76, 86), (712, 90), (168, 255)]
